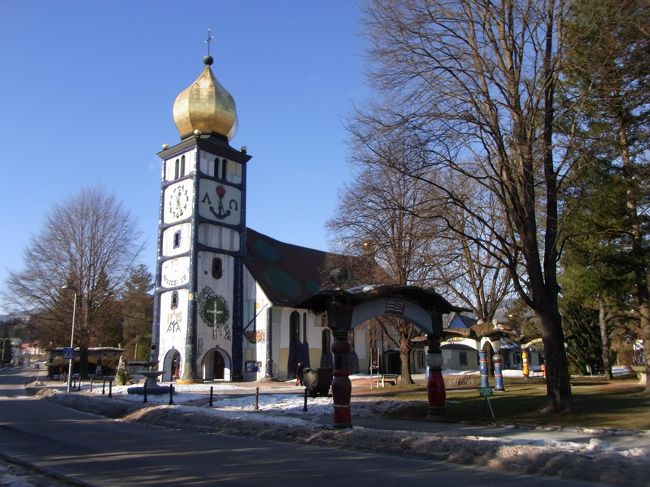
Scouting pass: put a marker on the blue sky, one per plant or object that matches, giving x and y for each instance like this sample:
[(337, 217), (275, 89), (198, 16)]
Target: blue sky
[(88, 88)]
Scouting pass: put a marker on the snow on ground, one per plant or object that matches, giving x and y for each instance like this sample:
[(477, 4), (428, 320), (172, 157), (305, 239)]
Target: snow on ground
[(615, 457)]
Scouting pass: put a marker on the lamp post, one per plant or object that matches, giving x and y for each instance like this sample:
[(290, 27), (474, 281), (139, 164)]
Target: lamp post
[(74, 311)]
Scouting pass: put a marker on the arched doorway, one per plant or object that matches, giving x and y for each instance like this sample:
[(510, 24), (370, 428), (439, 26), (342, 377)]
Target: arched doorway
[(216, 365), (171, 365)]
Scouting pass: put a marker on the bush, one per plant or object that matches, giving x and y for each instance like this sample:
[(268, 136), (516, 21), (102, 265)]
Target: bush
[(122, 376)]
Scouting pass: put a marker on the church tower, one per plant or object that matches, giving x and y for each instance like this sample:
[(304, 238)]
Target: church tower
[(198, 303)]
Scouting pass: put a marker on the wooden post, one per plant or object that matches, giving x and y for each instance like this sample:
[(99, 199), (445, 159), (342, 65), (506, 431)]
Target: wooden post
[(341, 386)]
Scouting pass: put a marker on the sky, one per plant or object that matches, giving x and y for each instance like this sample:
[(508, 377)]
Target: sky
[(87, 91)]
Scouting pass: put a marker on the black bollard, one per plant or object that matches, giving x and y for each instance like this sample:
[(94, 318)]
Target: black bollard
[(257, 398), (79, 384), (110, 388), (211, 390), (145, 391), (171, 394), (91, 384), (304, 408), (103, 385)]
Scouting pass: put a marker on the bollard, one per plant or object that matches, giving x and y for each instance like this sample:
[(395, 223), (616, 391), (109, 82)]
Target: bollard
[(103, 385), (79, 384), (304, 407), (257, 398), (145, 392), (91, 384), (211, 391), (110, 388), (171, 394)]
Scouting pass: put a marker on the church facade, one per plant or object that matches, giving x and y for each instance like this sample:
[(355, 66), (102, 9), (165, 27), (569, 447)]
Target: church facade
[(227, 297)]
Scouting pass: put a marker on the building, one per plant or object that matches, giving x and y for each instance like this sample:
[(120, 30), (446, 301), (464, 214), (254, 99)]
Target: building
[(225, 297)]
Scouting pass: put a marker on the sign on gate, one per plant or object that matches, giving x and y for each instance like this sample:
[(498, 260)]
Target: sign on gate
[(68, 353)]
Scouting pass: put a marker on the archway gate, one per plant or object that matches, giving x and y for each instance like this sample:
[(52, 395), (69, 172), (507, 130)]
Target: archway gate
[(347, 308)]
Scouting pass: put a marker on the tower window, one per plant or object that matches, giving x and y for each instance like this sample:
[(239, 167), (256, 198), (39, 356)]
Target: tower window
[(182, 166), (177, 169), (304, 327), (224, 168), (174, 303), (215, 173), (217, 268), (177, 239)]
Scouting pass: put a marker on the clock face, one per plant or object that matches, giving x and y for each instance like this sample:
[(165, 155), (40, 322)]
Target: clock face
[(178, 202), (176, 272)]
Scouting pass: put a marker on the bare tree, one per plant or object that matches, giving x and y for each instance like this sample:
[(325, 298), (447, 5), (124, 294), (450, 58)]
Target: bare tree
[(89, 243), (477, 80), (378, 216)]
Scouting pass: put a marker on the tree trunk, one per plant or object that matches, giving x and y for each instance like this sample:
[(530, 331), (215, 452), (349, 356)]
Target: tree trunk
[(404, 355), (558, 384), (604, 338)]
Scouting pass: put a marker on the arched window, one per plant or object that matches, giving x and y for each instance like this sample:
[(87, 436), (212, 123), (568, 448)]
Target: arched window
[(182, 166), (177, 239), (215, 172), (174, 303), (224, 169), (294, 327), (177, 168), (217, 268)]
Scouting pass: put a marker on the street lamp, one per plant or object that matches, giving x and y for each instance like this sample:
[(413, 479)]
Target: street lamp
[(74, 311)]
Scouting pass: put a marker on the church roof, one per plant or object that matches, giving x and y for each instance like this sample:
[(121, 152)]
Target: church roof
[(290, 274), (461, 321)]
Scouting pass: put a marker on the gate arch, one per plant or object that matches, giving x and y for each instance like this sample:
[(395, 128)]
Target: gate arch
[(347, 308)]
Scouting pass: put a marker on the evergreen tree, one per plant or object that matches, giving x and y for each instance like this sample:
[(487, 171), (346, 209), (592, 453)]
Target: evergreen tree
[(137, 314), (608, 73)]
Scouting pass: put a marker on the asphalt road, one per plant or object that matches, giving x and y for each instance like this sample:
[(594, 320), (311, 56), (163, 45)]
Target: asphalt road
[(91, 450)]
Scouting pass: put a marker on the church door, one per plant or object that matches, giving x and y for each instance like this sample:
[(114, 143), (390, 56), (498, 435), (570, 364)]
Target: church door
[(219, 365)]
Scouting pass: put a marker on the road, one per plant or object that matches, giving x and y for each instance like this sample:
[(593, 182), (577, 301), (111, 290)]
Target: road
[(91, 450)]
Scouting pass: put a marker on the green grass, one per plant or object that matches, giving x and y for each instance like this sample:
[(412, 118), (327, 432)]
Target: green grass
[(597, 403)]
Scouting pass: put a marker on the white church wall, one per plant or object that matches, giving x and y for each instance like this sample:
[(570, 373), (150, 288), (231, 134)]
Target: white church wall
[(219, 237)]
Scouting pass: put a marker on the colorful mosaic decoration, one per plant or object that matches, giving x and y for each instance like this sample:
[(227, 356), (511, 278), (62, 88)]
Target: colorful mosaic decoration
[(213, 309)]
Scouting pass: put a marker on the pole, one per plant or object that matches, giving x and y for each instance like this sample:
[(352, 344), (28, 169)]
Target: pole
[(74, 311)]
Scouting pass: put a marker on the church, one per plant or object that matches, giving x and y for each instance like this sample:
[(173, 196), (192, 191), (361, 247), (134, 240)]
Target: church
[(226, 297)]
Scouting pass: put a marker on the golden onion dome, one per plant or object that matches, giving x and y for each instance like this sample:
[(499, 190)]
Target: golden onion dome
[(205, 106)]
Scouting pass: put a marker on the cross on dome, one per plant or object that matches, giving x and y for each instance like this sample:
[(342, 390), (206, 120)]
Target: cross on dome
[(209, 39)]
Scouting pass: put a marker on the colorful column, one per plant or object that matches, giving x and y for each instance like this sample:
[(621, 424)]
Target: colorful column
[(483, 369), (524, 359), (498, 375), (435, 383), (341, 386)]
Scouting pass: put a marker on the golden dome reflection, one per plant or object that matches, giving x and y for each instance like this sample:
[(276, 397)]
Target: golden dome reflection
[(205, 106)]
